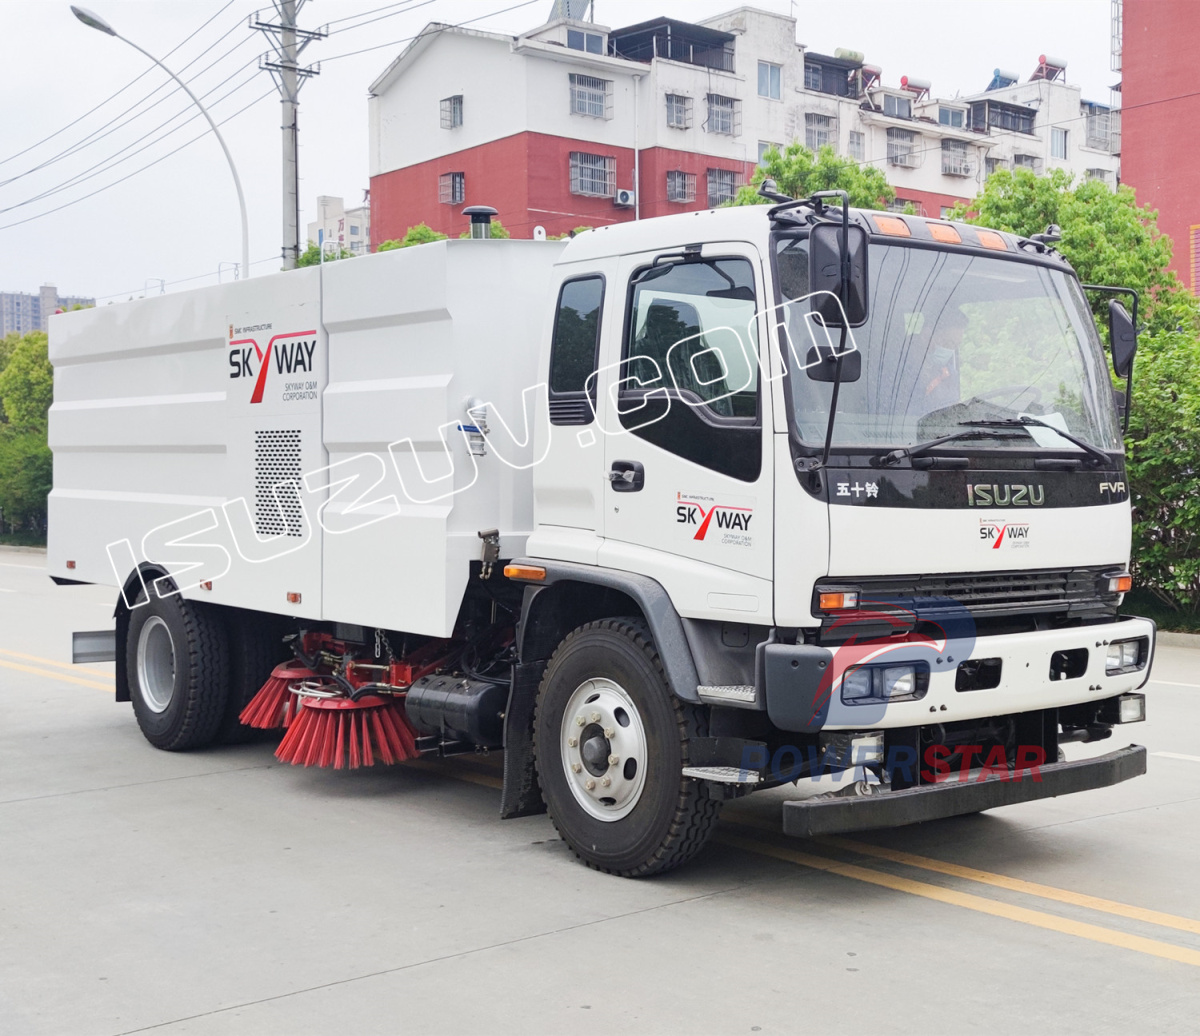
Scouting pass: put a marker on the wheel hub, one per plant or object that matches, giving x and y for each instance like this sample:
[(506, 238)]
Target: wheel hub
[(156, 664), (603, 747)]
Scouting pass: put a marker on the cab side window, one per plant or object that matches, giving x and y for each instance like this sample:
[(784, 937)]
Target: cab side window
[(573, 351), (690, 378)]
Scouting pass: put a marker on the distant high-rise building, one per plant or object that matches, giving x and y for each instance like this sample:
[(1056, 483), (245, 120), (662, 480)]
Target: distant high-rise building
[(23, 312), (344, 228)]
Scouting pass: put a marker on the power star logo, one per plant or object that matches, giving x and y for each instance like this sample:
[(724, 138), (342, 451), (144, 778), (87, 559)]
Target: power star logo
[(289, 353), (697, 514)]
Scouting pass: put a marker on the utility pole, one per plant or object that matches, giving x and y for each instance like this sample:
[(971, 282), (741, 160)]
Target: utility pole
[(288, 42)]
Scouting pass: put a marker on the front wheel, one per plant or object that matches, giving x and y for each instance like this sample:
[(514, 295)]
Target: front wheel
[(611, 741)]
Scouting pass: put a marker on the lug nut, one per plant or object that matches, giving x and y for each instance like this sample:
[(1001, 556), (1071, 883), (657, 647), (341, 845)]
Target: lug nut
[(572, 741), (579, 721), (609, 733), (595, 717), (606, 781), (575, 767), (613, 760), (590, 784)]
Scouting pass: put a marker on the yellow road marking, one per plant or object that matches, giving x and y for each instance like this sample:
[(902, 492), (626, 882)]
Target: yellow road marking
[(978, 904), (1031, 888), (43, 661), (56, 676)]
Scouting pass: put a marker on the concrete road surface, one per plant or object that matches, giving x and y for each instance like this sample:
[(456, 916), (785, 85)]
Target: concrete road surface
[(222, 892)]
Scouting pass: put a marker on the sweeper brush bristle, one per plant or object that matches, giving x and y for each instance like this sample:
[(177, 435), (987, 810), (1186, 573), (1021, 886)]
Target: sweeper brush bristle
[(273, 705), (343, 734)]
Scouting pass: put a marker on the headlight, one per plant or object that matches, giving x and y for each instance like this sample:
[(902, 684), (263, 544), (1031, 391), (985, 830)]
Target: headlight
[(1126, 655), (865, 684)]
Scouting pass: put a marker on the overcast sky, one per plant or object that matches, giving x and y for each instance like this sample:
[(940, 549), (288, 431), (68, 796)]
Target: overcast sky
[(179, 218)]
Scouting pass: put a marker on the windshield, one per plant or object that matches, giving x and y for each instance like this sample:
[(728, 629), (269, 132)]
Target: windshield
[(955, 338)]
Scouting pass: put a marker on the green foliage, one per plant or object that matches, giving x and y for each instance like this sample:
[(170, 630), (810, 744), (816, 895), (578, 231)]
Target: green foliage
[(311, 256), (1109, 239), (799, 173), (567, 234), (26, 391), (421, 234), (498, 230)]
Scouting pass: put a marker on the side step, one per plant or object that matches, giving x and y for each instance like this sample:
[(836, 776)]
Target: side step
[(722, 774), (94, 646)]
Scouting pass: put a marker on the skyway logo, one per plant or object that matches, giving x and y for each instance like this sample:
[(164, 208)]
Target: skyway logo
[(290, 351)]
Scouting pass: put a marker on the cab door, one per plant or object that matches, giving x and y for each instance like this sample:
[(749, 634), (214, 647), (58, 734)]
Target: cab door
[(688, 499)]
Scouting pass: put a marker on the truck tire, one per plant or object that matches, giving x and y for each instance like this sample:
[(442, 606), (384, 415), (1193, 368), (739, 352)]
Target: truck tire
[(255, 648), (605, 696), (176, 656)]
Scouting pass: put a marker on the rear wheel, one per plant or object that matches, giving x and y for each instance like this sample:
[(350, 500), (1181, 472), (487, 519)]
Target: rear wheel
[(611, 740), (176, 658)]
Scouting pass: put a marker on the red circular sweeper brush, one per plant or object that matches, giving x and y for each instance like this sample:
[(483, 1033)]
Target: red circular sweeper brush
[(341, 733)]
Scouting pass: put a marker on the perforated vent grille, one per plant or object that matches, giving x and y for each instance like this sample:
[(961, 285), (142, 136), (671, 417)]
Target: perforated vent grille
[(276, 460)]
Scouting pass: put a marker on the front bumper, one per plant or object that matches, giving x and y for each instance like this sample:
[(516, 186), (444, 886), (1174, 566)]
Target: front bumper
[(807, 818), (801, 683)]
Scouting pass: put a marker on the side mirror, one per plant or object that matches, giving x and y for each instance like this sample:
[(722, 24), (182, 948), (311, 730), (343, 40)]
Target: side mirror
[(823, 368), (1123, 336), (825, 274)]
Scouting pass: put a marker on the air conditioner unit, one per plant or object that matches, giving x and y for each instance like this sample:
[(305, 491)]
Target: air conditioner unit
[(624, 199)]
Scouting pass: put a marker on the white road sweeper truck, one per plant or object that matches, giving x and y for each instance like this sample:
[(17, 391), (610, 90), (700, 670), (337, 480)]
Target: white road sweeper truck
[(673, 512)]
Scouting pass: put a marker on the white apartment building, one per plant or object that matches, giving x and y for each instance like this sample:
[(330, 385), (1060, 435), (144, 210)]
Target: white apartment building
[(344, 228)]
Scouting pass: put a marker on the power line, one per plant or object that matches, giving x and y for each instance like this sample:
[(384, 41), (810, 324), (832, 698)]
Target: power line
[(181, 280), (111, 97), (98, 190), (363, 14), (411, 5), (434, 32), (93, 138)]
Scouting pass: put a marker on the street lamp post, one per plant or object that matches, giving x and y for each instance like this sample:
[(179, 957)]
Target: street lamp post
[(94, 21)]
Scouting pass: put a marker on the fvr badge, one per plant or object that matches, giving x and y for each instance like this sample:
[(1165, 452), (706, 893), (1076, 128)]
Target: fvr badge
[(728, 521)]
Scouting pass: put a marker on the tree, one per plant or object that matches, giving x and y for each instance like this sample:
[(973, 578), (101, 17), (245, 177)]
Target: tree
[(799, 173), (1109, 239), (26, 391), (311, 256), (421, 234), (567, 234), (498, 230)]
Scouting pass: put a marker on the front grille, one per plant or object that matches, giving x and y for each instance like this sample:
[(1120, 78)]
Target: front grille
[(1066, 593)]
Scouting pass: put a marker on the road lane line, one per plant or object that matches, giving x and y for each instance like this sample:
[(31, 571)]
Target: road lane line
[(48, 661), (32, 568), (1030, 888), (1177, 755), (56, 676), (968, 901), (3, 591), (1175, 683)]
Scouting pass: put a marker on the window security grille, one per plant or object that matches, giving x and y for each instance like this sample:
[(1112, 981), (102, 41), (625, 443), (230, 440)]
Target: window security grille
[(452, 188), (594, 175), (954, 158), (591, 96), (858, 146), (681, 186), (723, 115), (452, 111), (679, 111), (818, 131), (901, 150), (722, 186)]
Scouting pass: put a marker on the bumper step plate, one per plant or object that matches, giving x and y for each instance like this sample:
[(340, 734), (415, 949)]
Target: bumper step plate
[(722, 774)]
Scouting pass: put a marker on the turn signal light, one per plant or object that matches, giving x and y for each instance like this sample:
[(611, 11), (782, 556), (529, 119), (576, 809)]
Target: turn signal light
[(838, 601), (70, 564), (532, 573), (1120, 584), (293, 597)]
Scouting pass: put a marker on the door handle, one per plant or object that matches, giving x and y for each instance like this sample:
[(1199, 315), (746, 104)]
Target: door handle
[(627, 476)]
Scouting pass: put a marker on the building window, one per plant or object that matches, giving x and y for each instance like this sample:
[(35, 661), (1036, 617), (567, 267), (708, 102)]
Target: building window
[(812, 76), (952, 117), (946, 211), (451, 111), (858, 147), (353, 229), (1058, 143), (764, 146), (818, 131), (769, 80), (1102, 175), (679, 111), (1100, 126), (901, 205), (900, 147), (593, 175), (990, 165), (681, 186), (988, 114), (897, 107), (954, 158), (722, 186), (722, 115), (1027, 162), (452, 188), (592, 42), (591, 96)]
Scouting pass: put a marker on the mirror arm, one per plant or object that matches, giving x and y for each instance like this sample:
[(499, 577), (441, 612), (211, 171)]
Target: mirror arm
[(845, 293), (1113, 290)]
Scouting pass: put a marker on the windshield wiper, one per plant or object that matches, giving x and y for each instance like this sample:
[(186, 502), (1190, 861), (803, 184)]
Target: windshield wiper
[(1024, 421), (896, 456)]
